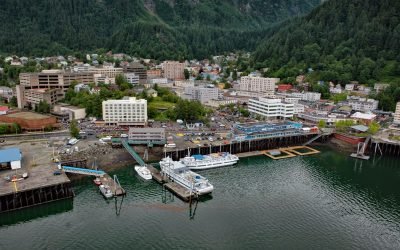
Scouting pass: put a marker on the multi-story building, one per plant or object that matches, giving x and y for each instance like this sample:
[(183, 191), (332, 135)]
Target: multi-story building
[(258, 84), (397, 114), (147, 135), (138, 69), (174, 70), (32, 97), (54, 79), (201, 94), (132, 78), (108, 71), (154, 73), (311, 96), (362, 104), (126, 112), (99, 78), (378, 87), (271, 108)]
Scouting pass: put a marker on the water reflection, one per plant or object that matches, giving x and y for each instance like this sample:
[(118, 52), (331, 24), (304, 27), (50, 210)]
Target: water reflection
[(32, 213)]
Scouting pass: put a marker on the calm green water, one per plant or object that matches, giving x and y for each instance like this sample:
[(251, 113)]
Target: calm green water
[(326, 201)]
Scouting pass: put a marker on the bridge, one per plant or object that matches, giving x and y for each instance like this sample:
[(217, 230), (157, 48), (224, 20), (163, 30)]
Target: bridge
[(133, 153), (324, 132), (84, 171)]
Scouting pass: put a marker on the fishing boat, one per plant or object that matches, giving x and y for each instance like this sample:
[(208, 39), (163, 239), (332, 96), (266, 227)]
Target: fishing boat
[(200, 162), (182, 175), (143, 172), (97, 181), (106, 191)]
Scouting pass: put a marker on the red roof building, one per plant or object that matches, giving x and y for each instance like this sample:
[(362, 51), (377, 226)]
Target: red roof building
[(284, 87)]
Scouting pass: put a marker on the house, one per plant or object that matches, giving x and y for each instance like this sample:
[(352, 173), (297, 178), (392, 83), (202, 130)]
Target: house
[(151, 92), (3, 110), (349, 87), (284, 87), (80, 87), (363, 118)]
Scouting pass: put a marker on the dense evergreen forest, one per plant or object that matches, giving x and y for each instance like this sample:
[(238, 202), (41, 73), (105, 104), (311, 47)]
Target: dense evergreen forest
[(340, 41), (162, 29)]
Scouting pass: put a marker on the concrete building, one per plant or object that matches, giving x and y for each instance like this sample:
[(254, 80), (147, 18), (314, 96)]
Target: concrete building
[(311, 96), (73, 112), (125, 112), (154, 73), (132, 78), (32, 97), (153, 135), (258, 84), (81, 87), (107, 71), (378, 87), (161, 81), (397, 114), (362, 104), (271, 108), (6, 93), (201, 94), (99, 78), (54, 79), (174, 70), (138, 69)]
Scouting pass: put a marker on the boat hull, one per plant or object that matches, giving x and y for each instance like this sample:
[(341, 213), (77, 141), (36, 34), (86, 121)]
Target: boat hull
[(217, 165), (142, 174)]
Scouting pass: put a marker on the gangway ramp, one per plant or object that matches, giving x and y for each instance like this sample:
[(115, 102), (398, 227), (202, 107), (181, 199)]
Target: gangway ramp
[(84, 171), (133, 153)]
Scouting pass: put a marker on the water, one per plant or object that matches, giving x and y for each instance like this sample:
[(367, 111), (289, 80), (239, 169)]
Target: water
[(325, 201)]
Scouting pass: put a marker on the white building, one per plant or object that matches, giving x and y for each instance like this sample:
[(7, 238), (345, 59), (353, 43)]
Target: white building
[(132, 78), (298, 108), (349, 87), (159, 81), (271, 108), (258, 84), (127, 111), (362, 104), (107, 71), (397, 114), (311, 96), (201, 94), (336, 90), (99, 78)]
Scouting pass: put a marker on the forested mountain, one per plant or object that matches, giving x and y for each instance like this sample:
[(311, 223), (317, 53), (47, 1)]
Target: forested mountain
[(341, 40), (148, 28)]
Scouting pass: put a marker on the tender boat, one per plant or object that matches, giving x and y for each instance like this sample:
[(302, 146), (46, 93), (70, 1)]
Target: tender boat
[(97, 181), (143, 172), (106, 191), (200, 162), (182, 175)]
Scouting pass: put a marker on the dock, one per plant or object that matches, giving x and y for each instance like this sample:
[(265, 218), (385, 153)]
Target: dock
[(289, 152), (116, 189)]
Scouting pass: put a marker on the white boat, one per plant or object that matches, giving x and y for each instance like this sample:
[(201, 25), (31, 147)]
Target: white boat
[(200, 162), (143, 172), (182, 175), (106, 191)]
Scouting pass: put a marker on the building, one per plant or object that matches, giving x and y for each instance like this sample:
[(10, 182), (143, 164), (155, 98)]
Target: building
[(73, 112), (258, 84), (99, 78), (363, 117), (154, 73), (125, 112), (378, 87), (397, 114), (10, 158), (81, 87), (201, 94), (271, 108), (32, 97), (138, 69), (132, 78), (30, 121), (284, 87), (174, 70), (6, 93), (362, 104), (3, 110), (108, 71), (349, 87), (147, 135), (311, 96), (159, 81), (54, 79), (152, 93)]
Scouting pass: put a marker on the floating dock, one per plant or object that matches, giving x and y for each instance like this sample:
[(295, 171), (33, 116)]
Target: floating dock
[(289, 152), (116, 189)]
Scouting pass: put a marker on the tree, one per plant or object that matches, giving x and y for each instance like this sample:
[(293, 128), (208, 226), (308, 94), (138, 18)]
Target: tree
[(74, 129), (43, 107), (373, 128), (321, 124), (13, 101), (186, 73)]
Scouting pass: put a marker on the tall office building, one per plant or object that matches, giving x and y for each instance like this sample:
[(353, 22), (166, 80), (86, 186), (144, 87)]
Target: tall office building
[(126, 112), (174, 70)]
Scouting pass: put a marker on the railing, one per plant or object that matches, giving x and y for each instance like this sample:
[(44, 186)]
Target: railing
[(84, 171), (132, 152)]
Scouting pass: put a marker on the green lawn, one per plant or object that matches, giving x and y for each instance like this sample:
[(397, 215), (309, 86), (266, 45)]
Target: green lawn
[(159, 104)]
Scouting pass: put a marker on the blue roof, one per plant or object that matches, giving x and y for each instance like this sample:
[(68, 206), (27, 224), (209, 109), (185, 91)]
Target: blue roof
[(10, 154)]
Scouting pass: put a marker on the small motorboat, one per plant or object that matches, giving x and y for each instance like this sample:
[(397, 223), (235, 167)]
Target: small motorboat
[(106, 191), (97, 181), (143, 172)]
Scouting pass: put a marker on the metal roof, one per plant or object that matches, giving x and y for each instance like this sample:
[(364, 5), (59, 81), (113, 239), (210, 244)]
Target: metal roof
[(360, 128), (10, 154)]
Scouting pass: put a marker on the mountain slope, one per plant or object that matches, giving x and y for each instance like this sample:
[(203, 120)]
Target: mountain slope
[(149, 28), (344, 40)]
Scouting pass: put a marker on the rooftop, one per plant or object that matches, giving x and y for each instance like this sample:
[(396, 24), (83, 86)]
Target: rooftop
[(10, 154), (28, 115)]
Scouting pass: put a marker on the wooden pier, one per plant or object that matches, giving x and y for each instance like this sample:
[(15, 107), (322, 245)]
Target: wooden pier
[(116, 189), (289, 152)]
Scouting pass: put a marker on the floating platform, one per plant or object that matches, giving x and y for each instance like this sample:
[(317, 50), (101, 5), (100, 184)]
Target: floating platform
[(289, 152), (116, 189), (249, 154), (358, 156), (156, 174)]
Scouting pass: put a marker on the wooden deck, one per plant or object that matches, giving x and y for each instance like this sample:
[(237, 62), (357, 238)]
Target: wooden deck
[(249, 154), (290, 152), (296, 149), (156, 174), (39, 177), (115, 188), (284, 154)]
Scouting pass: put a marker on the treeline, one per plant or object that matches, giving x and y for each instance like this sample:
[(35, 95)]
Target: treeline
[(339, 41), (153, 29)]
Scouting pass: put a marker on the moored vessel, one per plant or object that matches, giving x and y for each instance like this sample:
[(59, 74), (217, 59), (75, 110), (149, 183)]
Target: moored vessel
[(200, 162)]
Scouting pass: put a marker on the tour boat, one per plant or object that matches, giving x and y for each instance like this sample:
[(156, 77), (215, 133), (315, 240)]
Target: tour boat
[(182, 175), (106, 191), (143, 172), (200, 162), (97, 181)]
